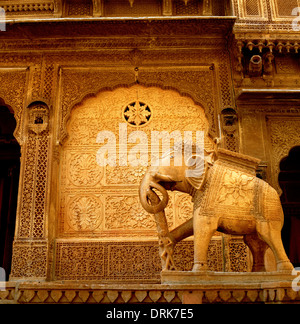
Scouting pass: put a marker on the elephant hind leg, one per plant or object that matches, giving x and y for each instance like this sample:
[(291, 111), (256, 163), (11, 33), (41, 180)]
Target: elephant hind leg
[(258, 249), (271, 234)]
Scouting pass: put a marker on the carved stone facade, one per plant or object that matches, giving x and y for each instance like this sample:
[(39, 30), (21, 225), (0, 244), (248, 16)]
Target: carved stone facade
[(67, 80)]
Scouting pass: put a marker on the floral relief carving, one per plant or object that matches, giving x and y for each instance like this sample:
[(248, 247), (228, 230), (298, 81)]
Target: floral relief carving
[(83, 169), (130, 214), (85, 213), (75, 90), (191, 82), (121, 175), (235, 189), (137, 113)]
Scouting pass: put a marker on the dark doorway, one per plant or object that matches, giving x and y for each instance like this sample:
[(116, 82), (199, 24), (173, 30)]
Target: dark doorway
[(9, 181), (289, 181)]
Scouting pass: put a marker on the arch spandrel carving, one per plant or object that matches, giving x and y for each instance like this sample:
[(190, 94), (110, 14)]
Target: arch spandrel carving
[(12, 94), (198, 83)]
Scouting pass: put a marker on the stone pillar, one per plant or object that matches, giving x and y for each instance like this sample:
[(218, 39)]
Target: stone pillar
[(30, 247)]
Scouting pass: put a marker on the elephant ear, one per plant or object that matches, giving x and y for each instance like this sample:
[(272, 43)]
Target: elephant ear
[(197, 169), (195, 172)]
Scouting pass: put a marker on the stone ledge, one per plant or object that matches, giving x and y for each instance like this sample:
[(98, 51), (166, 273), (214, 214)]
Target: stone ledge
[(97, 293), (226, 278)]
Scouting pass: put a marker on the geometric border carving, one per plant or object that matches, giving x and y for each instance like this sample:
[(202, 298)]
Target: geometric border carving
[(124, 261), (29, 260)]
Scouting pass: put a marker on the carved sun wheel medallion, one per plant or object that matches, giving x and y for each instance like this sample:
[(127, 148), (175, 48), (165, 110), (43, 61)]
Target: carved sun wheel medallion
[(137, 113)]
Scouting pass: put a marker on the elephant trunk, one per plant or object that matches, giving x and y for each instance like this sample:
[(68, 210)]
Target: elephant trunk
[(149, 199)]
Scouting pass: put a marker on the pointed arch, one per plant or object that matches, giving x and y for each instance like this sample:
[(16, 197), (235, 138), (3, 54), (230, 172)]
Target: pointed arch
[(289, 181)]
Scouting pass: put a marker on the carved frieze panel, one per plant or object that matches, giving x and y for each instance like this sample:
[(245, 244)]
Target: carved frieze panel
[(282, 10), (28, 7), (29, 259), (287, 65), (125, 261), (237, 254), (252, 10)]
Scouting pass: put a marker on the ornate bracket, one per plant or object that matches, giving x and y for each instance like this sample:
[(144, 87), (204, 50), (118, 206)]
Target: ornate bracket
[(38, 118), (229, 119)]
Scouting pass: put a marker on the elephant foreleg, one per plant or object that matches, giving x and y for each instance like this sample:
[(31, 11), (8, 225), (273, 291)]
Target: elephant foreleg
[(204, 228)]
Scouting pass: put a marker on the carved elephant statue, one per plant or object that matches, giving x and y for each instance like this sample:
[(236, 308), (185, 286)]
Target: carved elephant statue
[(227, 197)]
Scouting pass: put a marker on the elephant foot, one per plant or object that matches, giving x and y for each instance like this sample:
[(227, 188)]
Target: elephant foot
[(200, 267), (284, 266)]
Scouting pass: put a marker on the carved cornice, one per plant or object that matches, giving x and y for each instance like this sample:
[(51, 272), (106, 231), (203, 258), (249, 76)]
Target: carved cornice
[(83, 27), (13, 7), (70, 44), (254, 57)]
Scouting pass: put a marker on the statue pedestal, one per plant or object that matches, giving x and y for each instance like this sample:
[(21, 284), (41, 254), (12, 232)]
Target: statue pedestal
[(255, 286), (225, 278)]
